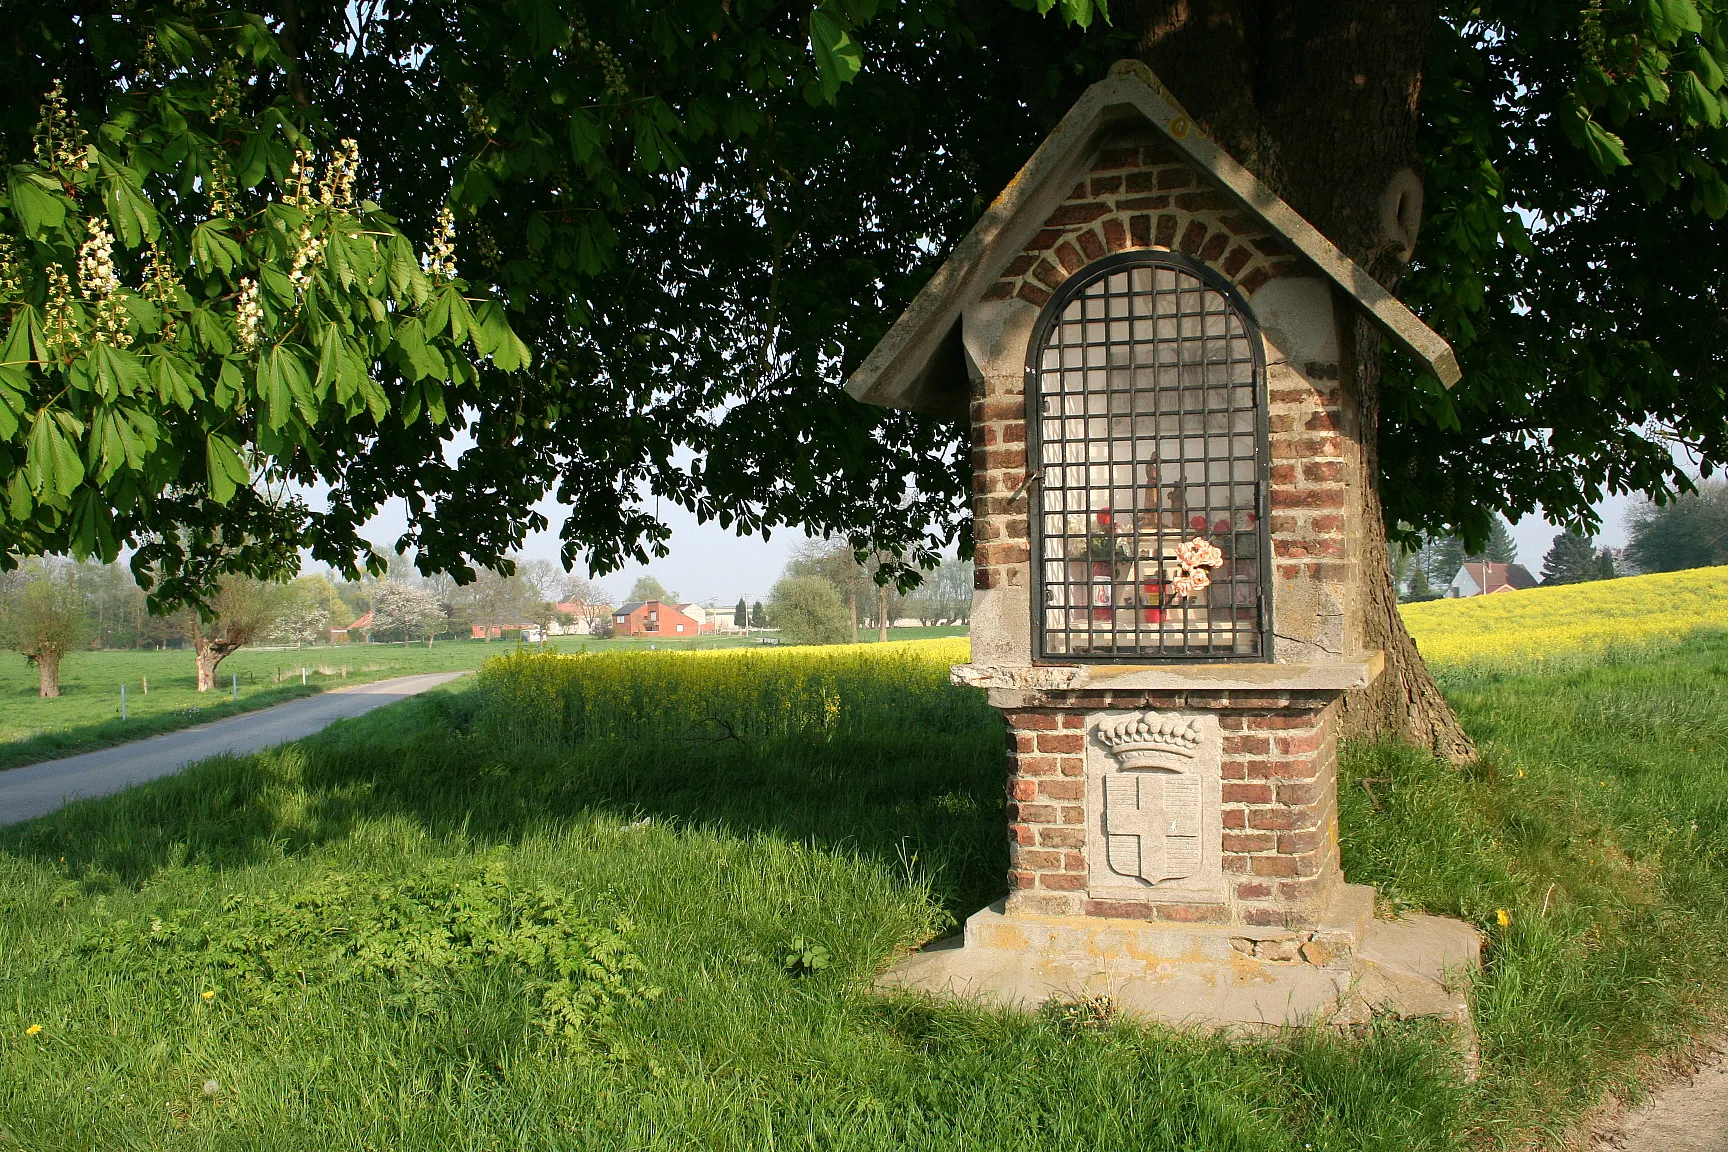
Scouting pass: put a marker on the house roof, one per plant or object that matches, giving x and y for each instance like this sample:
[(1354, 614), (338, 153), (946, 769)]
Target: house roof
[(1500, 577), (362, 623), (920, 363), (626, 609)]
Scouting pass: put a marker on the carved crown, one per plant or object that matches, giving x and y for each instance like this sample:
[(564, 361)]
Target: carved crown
[(1151, 741)]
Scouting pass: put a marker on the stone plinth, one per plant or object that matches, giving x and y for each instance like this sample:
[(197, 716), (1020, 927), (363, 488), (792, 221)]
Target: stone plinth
[(1342, 971)]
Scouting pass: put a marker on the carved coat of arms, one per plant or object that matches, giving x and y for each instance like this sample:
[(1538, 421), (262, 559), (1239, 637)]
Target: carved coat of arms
[(1153, 807)]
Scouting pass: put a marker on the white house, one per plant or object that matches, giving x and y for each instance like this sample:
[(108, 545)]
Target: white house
[(1480, 577)]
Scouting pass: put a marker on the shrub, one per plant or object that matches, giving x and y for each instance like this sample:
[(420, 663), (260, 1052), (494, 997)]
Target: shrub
[(807, 610)]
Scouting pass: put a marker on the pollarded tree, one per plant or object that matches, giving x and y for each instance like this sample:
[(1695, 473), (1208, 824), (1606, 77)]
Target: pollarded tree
[(240, 611), (47, 618)]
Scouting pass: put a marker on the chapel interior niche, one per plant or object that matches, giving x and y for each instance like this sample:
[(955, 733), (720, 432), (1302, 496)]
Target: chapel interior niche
[(1146, 397)]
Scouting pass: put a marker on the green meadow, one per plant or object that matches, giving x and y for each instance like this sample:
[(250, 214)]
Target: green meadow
[(636, 901)]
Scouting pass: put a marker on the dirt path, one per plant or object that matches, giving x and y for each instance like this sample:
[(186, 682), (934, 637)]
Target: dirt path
[(1690, 1115), (37, 789)]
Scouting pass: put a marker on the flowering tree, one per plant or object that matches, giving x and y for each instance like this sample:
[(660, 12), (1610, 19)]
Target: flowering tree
[(202, 314), (46, 620), (399, 606)]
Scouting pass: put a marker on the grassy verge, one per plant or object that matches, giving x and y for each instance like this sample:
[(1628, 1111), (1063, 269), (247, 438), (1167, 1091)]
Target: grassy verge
[(556, 910)]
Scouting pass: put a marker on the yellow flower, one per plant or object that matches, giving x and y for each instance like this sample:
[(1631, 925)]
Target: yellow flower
[(208, 995), (33, 1029), (1504, 917)]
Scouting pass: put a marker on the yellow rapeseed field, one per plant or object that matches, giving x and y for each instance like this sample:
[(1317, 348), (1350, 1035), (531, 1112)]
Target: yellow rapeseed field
[(1540, 623)]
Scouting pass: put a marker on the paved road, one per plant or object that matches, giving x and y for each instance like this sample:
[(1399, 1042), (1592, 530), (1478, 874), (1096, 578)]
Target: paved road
[(38, 789)]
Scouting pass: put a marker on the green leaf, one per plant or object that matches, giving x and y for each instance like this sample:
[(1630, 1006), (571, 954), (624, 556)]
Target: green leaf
[(24, 343), (36, 201), (51, 458), (213, 249), (14, 398), (1607, 151), (286, 386), (175, 379), (224, 469), (1697, 101), (838, 57), (118, 372)]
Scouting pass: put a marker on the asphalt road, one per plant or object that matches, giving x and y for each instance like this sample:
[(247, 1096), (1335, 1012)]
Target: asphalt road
[(37, 789)]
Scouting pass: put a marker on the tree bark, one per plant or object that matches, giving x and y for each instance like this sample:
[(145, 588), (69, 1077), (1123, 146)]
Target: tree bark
[(882, 613), (210, 651), (48, 674), (1319, 99)]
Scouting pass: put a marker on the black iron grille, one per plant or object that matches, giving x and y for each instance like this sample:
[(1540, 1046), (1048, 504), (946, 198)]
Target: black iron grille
[(1145, 393)]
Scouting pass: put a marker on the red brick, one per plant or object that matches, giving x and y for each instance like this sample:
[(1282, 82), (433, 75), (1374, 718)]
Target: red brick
[(1166, 237), (1044, 240), (1070, 214), (1214, 247), (1019, 266), (1140, 227), (1073, 766), (1323, 471), (1303, 549), (1062, 789), (1207, 201), (1194, 913), (1180, 177), (1055, 837), (1073, 861), (1115, 234), (1322, 422), (1233, 770), (1249, 841), (1253, 890), (1309, 498), (1037, 766), (1295, 890), (1033, 295), (1113, 159), (1249, 745), (1105, 185), (1192, 237), (1061, 742), (1327, 524), (1236, 863), (1160, 152), (1283, 474), (1002, 290), (1141, 182), (1273, 866), (1283, 721), (1143, 204), (1022, 880), (1070, 256), (1039, 721), (1235, 818), (1240, 222), (1300, 793), (1022, 789), (1035, 859), (1061, 881), (1119, 909), (1292, 843), (1254, 281), (1236, 261), (1264, 917), (1280, 819), (1091, 245), (1073, 720), (1270, 245), (1299, 744), (1073, 814), (1049, 274), (1245, 794)]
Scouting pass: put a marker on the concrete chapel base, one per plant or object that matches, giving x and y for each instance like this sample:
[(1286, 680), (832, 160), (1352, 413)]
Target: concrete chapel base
[(1229, 977)]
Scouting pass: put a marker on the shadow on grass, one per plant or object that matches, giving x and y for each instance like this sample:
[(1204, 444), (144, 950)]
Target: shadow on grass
[(929, 803)]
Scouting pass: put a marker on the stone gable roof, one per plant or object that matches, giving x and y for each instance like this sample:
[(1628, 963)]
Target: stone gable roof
[(1126, 169)]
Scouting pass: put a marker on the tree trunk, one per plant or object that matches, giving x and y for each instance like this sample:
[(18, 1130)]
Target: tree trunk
[(48, 674), (882, 612), (1320, 101), (852, 607), (209, 653)]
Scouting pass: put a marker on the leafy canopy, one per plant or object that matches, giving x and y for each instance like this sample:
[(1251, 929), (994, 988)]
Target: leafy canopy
[(699, 215)]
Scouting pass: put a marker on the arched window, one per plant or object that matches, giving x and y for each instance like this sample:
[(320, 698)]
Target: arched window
[(1146, 402)]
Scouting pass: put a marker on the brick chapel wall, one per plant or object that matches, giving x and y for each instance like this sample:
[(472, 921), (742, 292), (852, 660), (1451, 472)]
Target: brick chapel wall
[(1279, 810), (1141, 196)]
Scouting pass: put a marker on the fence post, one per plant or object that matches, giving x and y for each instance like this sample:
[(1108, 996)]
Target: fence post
[(122, 701), (146, 685), (236, 685), (302, 675)]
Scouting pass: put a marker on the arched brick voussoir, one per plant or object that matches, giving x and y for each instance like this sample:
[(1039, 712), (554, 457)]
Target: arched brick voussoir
[(1106, 215)]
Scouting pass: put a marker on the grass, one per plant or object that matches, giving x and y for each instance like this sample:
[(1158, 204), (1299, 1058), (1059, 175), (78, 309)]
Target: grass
[(1571, 620), (554, 910), (86, 715)]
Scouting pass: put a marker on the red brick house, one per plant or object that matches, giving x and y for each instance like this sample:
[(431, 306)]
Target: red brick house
[(652, 618)]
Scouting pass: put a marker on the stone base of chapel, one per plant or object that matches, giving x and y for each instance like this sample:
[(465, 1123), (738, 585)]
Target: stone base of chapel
[(1348, 969)]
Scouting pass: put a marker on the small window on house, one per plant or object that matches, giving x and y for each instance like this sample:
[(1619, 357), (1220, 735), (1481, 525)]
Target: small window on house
[(680, 627), (1146, 409)]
